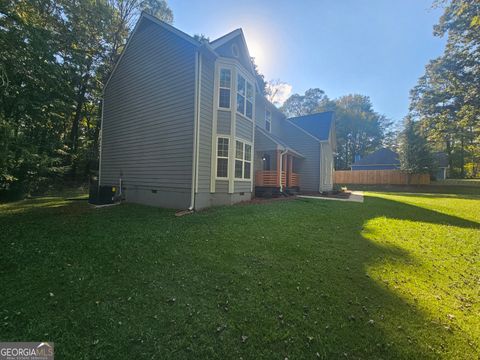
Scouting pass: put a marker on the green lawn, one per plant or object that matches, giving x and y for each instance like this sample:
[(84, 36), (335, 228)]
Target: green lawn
[(395, 277)]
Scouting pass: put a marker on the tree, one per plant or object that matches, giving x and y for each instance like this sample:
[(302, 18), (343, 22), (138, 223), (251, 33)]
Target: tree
[(56, 55), (259, 77), (201, 38), (446, 100), (277, 91), (299, 105), (359, 129), (415, 156)]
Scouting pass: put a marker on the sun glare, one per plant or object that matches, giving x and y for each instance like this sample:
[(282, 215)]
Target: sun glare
[(256, 51)]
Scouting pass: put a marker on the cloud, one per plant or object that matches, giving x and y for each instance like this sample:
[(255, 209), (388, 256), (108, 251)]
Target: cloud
[(278, 91)]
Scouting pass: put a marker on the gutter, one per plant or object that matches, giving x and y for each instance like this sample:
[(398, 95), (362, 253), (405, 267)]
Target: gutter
[(198, 64), (100, 143)]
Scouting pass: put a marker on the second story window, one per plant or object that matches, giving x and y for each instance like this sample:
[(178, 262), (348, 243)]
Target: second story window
[(245, 95), (225, 84), (268, 120)]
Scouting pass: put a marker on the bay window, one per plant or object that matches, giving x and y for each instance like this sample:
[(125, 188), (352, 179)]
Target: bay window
[(243, 160), (224, 89), (245, 96)]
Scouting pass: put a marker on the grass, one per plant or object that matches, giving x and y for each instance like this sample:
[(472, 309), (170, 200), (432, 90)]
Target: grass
[(396, 277)]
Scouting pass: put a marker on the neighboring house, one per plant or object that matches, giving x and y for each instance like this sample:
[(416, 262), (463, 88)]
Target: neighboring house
[(382, 159), (185, 125), (441, 163)]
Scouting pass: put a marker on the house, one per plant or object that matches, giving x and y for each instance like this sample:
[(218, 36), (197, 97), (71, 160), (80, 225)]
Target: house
[(185, 125), (382, 159), (441, 164)]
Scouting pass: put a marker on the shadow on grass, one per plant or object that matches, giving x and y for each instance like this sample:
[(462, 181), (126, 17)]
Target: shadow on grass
[(285, 279), (420, 189)]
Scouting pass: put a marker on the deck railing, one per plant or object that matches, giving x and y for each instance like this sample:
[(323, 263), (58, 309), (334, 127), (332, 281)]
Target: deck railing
[(269, 178), (294, 180)]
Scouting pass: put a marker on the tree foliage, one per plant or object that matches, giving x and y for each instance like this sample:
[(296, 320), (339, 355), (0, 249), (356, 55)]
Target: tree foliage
[(414, 153), (446, 100), (359, 129), (299, 105), (56, 55)]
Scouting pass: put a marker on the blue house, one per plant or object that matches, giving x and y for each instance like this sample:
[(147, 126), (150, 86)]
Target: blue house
[(382, 159)]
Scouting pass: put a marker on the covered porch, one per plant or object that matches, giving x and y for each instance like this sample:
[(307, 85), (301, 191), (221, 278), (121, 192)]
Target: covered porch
[(276, 170), (273, 175)]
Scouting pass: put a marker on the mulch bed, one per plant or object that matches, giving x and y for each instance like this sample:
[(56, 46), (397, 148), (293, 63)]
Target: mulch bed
[(260, 200), (335, 195)]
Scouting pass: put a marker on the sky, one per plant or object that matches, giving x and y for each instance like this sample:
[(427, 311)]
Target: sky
[(377, 48)]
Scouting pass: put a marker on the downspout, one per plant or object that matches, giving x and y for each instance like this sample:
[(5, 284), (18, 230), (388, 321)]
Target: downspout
[(101, 143), (195, 131), (281, 168)]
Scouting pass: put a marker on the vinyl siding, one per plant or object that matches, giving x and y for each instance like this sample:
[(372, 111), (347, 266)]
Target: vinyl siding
[(148, 121), (224, 122), (308, 168), (263, 143), (259, 110), (226, 51), (261, 105), (244, 128), (221, 186), (206, 119), (326, 164), (243, 186)]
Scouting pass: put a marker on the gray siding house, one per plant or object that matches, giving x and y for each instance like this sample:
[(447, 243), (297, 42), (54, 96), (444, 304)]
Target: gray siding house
[(185, 126)]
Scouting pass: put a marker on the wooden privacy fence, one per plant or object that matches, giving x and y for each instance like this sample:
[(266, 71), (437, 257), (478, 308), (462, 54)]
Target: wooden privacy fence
[(380, 177)]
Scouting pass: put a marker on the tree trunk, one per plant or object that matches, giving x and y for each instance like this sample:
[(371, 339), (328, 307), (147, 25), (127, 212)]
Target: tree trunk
[(462, 157), (449, 154), (75, 126)]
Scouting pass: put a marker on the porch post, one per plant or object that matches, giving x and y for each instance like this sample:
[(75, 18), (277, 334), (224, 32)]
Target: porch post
[(290, 170), (278, 167)]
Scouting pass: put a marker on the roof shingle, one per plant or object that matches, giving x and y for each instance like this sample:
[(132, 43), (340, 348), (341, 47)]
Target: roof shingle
[(382, 156), (319, 124)]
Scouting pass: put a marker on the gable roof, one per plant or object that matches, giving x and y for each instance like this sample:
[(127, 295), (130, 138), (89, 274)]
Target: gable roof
[(279, 142), (231, 36), (226, 38), (155, 20), (319, 124), (169, 27), (382, 156)]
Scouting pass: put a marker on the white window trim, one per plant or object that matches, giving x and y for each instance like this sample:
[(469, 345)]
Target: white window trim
[(232, 74), (268, 120), (247, 81), (223, 157), (244, 142)]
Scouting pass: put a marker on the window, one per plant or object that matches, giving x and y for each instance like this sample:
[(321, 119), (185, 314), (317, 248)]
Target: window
[(245, 95), (222, 157), (268, 120), (224, 91), (243, 160)]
